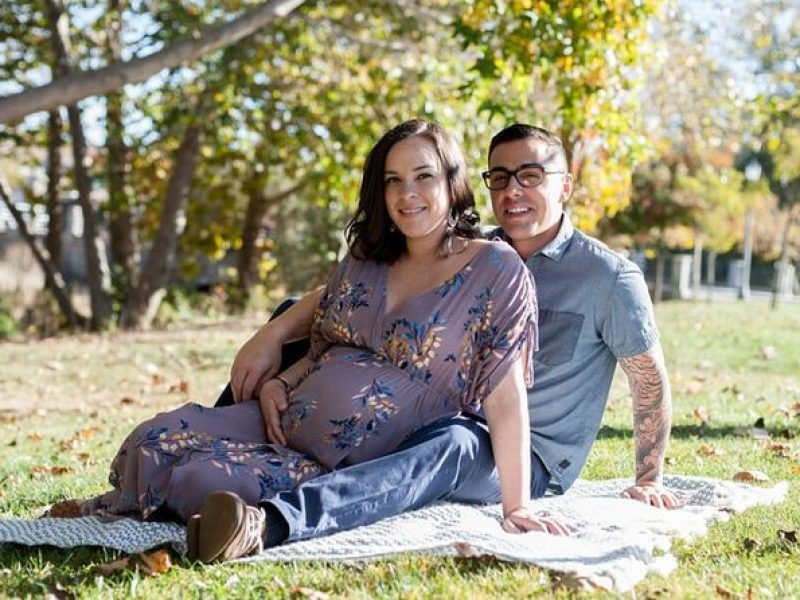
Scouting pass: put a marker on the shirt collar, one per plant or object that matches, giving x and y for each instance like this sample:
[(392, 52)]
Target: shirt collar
[(555, 249), (558, 245)]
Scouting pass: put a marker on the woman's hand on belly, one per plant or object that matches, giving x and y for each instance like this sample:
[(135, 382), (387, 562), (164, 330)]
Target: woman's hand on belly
[(273, 401)]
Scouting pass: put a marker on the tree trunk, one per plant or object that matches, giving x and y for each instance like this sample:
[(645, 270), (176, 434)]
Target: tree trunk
[(52, 276), (658, 293), (120, 219), (54, 207), (257, 206), (747, 253), (146, 296), (711, 273), (71, 88), (697, 264), (96, 264), (782, 260)]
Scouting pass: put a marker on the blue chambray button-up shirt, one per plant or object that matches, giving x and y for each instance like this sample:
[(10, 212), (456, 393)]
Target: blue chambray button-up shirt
[(594, 308)]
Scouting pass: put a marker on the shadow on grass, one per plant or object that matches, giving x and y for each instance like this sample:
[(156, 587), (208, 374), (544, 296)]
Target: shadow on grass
[(704, 431)]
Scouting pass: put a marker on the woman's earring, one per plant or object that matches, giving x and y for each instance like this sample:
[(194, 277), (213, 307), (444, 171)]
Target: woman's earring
[(392, 228), (452, 219)]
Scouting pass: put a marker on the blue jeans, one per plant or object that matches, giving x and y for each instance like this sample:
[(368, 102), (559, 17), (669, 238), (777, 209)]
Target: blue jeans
[(447, 460)]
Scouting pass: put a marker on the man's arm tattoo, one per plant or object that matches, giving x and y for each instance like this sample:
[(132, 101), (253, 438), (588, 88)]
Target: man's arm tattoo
[(652, 412)]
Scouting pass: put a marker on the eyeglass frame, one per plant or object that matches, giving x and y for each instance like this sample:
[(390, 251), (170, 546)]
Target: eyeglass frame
[(486, 174)]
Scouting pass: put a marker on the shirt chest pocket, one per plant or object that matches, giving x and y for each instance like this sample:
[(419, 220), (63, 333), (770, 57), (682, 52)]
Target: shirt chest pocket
[(558, 336)]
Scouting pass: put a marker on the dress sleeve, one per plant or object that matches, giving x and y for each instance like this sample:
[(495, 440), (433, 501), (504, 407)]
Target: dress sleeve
[(507, 329), (319, 340)]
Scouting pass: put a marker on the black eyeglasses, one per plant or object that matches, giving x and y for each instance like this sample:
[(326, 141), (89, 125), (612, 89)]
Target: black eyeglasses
[(529, 176)]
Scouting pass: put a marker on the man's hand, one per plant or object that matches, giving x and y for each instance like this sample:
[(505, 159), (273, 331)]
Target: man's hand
[(652, 494), (273, 401), (258, 360), (522, 519)]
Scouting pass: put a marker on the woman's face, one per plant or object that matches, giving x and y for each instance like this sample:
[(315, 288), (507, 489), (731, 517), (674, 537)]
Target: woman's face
[(416, 191)]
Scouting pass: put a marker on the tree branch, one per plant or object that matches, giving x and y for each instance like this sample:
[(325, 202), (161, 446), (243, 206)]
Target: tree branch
[(75, 86)]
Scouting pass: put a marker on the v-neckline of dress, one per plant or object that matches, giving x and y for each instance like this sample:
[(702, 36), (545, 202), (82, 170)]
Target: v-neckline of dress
[(416, 297)]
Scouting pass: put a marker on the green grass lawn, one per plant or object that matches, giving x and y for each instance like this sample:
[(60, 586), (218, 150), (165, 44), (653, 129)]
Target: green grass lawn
[(67, 403)]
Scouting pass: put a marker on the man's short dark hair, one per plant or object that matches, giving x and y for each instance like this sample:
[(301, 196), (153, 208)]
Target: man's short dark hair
[(521, 131)]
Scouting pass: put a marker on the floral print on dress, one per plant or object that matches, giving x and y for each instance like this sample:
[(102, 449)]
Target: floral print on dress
[(412, 346), (374, 407), (299, 410)]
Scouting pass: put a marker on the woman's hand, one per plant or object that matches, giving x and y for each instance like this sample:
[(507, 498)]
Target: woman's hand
[(273, 400), (522, 519)]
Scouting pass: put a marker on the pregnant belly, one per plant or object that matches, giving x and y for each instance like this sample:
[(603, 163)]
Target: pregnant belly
[(355, 407)]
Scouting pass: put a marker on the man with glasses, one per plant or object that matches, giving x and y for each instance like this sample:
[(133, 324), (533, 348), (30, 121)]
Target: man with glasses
[(594, 312)]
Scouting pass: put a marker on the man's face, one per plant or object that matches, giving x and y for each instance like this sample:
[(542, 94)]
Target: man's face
[(530, 216)]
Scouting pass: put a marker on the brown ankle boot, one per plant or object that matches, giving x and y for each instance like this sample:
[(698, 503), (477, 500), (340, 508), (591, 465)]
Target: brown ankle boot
[(225, 529)]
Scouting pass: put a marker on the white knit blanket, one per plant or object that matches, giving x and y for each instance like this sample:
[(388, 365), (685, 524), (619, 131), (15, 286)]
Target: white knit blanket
[(615, 542)]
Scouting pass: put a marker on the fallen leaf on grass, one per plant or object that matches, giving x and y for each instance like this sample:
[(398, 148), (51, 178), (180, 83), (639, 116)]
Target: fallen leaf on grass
[(87, 459), (750, 544), (157, 379), (781, 450), (182, 387), (701, 414), (150, 563), (127, 400), (66, 509), (709, 450), (54, 365), (41, 470), (787, 536), (35, 436), (8, 418), (311, 593), (84, 434), (155, 563), (113, 567), (749, 476), (724, 592)]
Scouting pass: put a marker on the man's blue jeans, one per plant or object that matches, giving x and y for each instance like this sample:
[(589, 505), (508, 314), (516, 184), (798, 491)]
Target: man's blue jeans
[(447, 460), (450, 459)]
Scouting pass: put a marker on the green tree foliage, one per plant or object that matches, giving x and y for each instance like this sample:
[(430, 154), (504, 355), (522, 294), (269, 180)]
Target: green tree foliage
[(283, 119), (574, 66)]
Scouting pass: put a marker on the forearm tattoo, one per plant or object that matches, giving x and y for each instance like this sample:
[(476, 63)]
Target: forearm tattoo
[(652, 412)]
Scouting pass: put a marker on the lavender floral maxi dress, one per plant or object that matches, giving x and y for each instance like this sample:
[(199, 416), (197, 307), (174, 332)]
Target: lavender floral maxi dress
[(377, 377)]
